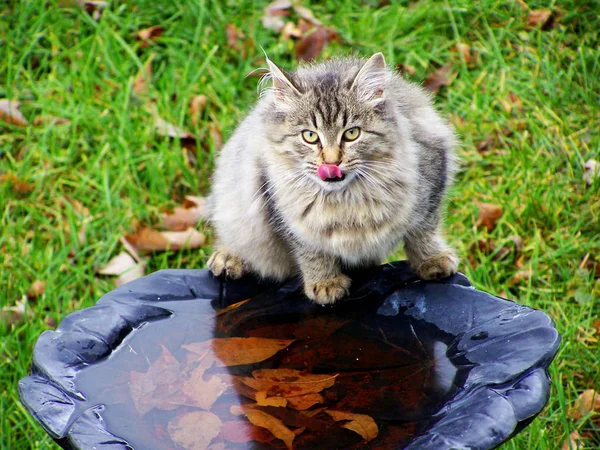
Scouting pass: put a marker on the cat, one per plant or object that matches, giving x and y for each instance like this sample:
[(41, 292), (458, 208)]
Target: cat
[(336, 165)]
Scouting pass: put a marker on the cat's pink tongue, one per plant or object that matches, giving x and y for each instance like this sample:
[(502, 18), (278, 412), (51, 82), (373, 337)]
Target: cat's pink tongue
[(327, 171)]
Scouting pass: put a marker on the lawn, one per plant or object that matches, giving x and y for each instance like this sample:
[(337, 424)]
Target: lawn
[(524, 99)]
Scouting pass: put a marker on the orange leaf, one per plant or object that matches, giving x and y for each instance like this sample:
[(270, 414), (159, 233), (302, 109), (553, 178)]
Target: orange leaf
[(184, 218), (231, 307), (236, 351), (302, 402), (194, 430), (489, 214), (288, 382), (359, 423), (151, 240), (36, 290), (263, 400), (274, 425), (197, 105), (573, 442), (241, 431), (9, 112), (587, 402)]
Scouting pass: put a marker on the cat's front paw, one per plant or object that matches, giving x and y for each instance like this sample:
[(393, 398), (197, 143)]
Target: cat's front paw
[(439, 266), (328, 291), (224, 263)]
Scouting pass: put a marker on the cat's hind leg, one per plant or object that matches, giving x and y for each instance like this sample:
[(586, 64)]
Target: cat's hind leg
[(222, 262), (429, 255)]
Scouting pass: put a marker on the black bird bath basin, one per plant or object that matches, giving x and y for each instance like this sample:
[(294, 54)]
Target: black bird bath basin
[(181, 360)]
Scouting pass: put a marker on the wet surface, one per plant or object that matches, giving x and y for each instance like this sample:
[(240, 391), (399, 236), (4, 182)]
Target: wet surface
[(180, 360)]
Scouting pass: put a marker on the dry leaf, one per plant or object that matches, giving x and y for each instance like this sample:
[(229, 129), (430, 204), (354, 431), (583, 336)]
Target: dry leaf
[(485, 145), (18, 186), (231, 307), (303, 402), (237, 351), (9, 113), (587, 402), (591, 171), (312, 44), (288, 382), (194, 430), (540, 18), (164, 128), (14, 314), (130, 249), (150, 34), (573, 442), (36, 290), (359, 423), (439, 78), (200, 392), (234, 34), (465, 51), (140, 83), (521, 275), (290, 30), (273, 13), (186, 217), (46, 120), (406, 69), (263, 400), (125, 267), (307, 15), (239, 431), (512, 101), (196, 107), (148, 239), (274, 425), (489, 214)]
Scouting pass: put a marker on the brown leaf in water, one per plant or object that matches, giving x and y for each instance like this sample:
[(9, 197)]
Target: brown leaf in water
[(234, 34), (9, 113), (197, 105), (274, 425), (147, 239), (274, 13), (489, 214), (312, 44), (303, 402), (194, 430), (573, 442), (587, 402), (200, 392), (185, 217), (540, 18), (439, 78), (237, 351), (140, 83), (288, 382), (240, 431), (359, 423), (263, 400), (231, 307), (149, 35)]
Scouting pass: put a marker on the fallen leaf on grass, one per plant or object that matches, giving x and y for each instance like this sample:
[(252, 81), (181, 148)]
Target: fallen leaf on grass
[(273, 13), (36, 290), (15, 313), (18, 187), (239, 431), (406, 69), (183, 218), (290, 30), (464, 50), (234, 34), (140, 83), (274, 425), (484, 146), (125, 268), (94, 8), (307, 15), (196, 107), (439, 78), (512, 101), (489, 214), (149, 35), (288, 382), (147, 239), (46, 120), (359, 423), (9, 113), (194, 430), (311, 45), (521, 275), (164, 128), (237, 351), (587, 402), (539, 18), (591, 171), (573, 442)]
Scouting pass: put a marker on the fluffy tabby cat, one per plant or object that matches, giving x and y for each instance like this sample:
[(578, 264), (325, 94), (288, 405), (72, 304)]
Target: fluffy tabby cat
[(336, 165)]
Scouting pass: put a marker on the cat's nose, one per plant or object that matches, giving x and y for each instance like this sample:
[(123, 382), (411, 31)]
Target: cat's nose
[(332, 156)]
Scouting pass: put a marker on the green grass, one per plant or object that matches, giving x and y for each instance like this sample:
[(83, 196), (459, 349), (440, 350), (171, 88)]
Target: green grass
[(64, 63)]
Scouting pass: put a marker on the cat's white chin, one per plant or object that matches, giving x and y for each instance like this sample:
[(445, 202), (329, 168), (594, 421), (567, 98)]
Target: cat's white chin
[(332, 186)]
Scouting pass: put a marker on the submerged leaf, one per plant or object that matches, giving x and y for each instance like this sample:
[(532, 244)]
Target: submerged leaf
[(359, 423), (288, 382), (194, 430), (274, 425)]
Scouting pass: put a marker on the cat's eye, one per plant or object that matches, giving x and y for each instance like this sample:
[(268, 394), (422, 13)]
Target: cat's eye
[(310, 136), (351, 134)]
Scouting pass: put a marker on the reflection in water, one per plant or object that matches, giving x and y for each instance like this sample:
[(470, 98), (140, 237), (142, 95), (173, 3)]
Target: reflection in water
[(330, 377)]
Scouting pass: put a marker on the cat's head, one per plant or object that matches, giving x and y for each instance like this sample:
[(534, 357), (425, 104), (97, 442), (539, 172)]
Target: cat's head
[(332, 123)]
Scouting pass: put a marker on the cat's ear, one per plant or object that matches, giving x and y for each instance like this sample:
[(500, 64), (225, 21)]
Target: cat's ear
[(282, 86), (372, 79)]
